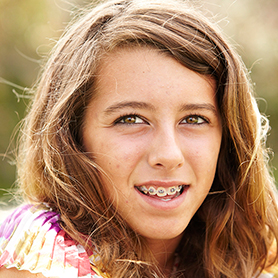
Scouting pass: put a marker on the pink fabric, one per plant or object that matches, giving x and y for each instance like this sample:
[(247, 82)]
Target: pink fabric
[(31, 239)]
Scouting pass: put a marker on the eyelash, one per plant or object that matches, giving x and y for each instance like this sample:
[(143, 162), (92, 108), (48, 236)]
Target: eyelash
[(204, 119), (134, 116)]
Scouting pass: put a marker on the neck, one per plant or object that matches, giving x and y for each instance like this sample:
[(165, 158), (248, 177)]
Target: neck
[(164, 253)]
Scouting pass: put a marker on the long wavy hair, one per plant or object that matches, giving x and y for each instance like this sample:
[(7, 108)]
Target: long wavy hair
[(231, 234)]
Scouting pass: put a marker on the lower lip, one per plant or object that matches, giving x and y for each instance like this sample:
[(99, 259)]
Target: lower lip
[(164, 205)]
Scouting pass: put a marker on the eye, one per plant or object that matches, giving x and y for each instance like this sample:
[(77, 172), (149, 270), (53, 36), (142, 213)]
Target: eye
[(194, 119), (129, 119)]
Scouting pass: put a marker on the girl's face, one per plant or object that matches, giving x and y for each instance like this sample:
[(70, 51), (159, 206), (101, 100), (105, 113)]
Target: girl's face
[(154, 129)]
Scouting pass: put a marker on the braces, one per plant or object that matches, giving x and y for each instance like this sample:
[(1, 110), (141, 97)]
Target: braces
[(161, 191)]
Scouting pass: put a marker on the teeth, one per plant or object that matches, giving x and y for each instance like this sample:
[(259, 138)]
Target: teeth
[(172, 190), (161, 191), (166, 200), (144, 189), (152, 191)]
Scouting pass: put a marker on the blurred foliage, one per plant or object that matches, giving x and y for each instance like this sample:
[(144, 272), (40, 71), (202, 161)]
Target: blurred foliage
[(29, 28), (252, 27)]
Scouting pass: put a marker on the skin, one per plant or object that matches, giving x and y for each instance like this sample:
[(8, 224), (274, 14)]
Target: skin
[(174, 139), (154, 122), (14, 273)]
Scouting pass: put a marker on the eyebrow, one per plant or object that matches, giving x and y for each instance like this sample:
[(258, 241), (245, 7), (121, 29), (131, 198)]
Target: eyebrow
[(148, 106), (199, 106), (128, 104)]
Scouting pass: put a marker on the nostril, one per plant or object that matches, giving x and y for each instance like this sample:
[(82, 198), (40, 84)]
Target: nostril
[(166, 156)]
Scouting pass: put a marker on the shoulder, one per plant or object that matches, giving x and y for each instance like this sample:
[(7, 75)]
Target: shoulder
[(14, 273), (270, 273), (32, 240), (272, 270)]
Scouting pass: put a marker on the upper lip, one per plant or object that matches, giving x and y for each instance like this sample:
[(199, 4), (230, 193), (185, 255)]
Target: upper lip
[(158, 183)]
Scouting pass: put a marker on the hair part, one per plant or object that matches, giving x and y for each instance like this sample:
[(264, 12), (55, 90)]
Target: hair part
[(231, 234)]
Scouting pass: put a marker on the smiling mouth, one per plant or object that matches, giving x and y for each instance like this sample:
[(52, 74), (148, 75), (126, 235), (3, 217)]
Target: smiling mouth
[(161, 193)]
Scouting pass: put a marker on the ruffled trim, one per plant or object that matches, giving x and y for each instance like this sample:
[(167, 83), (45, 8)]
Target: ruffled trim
[(31, 239)]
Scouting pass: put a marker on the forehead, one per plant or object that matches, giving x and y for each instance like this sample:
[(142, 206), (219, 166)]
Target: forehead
[(146, 79), (145, 63)]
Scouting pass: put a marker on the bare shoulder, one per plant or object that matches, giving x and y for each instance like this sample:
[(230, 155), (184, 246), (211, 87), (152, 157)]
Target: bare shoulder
[(14, 273)]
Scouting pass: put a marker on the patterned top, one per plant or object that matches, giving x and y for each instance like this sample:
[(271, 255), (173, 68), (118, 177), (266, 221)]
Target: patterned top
[(31, 239)]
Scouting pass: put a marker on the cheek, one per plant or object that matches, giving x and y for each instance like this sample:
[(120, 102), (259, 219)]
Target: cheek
[(119, 158), (204, 157)]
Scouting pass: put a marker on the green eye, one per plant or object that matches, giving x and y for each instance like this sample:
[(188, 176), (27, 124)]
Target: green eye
[(130, 119), (194, 119)]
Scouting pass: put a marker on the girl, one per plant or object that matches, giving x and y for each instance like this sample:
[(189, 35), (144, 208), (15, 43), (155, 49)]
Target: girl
[(143, 154)]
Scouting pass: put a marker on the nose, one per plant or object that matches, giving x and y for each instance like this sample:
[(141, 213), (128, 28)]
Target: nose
[(166, 152)]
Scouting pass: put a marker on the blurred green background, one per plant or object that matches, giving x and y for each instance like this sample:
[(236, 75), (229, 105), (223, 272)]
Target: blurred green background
[(29, 29)]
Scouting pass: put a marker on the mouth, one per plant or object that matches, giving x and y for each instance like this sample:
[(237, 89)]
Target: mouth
[(162, 193)]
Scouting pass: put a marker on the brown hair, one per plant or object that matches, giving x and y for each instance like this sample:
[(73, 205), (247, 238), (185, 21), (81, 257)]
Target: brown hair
[(231, 234)]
